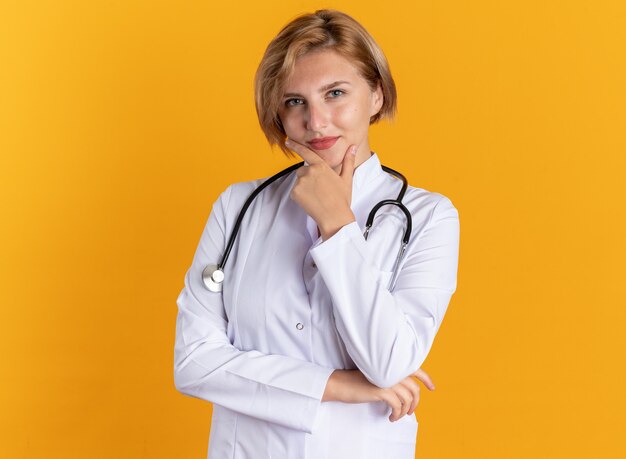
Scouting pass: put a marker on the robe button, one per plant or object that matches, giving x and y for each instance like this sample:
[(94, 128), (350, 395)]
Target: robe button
[(299, 326)]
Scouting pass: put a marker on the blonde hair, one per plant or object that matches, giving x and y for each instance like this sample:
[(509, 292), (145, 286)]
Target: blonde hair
[(329, 29)]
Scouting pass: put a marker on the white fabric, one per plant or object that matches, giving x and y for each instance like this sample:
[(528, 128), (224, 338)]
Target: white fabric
[(244, 350)]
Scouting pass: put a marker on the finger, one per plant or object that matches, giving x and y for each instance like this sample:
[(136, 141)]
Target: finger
[(302, 151), (347, 167), (405, 396), (393, 402), (412, 386), (423, 376)]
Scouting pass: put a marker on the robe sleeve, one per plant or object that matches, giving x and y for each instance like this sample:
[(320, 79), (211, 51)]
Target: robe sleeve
[(389, 334), (274, 388)]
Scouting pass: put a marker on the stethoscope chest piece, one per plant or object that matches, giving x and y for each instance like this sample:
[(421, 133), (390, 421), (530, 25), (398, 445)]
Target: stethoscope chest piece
[(213, 277)]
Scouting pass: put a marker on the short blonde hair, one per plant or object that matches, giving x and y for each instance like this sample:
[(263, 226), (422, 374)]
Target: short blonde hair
[(329, 29)]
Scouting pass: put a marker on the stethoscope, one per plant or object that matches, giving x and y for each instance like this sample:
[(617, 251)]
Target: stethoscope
[(213, 275)]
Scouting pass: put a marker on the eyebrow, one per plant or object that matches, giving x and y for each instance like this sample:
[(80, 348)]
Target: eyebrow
[(322, 89)]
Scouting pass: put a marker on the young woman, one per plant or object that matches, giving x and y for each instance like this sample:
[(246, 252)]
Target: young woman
[(311, 346)]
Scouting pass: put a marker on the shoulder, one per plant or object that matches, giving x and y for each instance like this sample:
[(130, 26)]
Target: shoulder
[(438, 218), (429, 210), (426, 205), (235, 195)]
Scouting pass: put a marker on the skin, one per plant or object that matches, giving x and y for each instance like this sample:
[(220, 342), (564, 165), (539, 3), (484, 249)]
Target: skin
[(312, 109), (308, 111), (351, 386)]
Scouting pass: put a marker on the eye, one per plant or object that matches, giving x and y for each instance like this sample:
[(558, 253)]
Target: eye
[(336, 92), (293, 102)]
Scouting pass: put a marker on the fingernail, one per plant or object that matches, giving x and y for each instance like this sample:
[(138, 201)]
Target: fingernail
[(353, 151), (287, 143)]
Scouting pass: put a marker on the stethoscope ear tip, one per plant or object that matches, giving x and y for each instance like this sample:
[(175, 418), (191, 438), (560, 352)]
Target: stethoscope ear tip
[(213, 277)]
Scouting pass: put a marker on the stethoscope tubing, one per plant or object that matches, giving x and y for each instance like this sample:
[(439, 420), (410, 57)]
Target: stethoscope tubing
[(216, 276), (242, 212)]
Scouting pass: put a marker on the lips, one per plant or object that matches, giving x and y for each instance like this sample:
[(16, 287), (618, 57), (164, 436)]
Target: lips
[(322, 143)]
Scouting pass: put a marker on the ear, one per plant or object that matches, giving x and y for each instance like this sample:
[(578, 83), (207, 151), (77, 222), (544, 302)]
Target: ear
[(377, 100)]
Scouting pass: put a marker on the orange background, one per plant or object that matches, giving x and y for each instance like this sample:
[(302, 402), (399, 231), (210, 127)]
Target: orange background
[(121, 121)]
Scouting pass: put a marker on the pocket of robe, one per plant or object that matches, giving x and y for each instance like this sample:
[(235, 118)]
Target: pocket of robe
[(404, 430)]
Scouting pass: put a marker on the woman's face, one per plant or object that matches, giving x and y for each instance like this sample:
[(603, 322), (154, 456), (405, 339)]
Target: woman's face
[(326, 98)]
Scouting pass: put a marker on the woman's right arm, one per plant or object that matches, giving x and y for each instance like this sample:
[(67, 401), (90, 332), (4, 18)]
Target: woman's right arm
[(351, 386), (275, 388)]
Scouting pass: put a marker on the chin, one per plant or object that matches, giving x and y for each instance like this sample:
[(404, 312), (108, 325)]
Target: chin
[(333, 159), (333, 156)]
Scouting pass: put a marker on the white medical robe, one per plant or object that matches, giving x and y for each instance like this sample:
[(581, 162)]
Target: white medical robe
[(294, 308)]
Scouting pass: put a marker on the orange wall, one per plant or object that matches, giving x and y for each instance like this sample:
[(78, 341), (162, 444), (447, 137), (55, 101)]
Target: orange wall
[(121, 121)]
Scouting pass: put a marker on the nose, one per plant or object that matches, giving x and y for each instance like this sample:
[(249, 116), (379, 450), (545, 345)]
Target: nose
[(316, 116)]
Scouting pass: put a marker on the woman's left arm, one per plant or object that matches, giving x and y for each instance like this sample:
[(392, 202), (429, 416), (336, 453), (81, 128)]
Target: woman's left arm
[(389, 334)]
